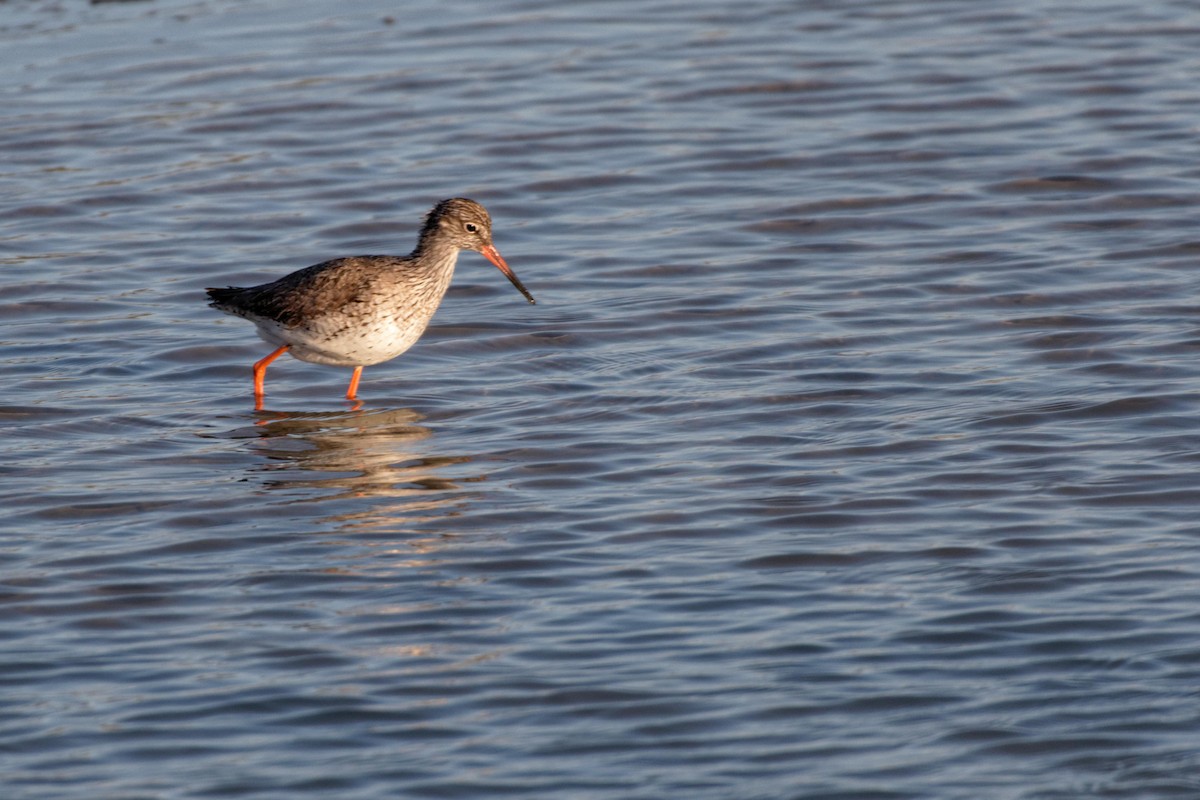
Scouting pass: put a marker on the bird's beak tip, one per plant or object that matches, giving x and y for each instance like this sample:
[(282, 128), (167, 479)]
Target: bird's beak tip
[(493, 255)]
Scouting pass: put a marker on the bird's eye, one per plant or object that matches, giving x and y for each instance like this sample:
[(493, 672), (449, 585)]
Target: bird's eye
[(471, 227)]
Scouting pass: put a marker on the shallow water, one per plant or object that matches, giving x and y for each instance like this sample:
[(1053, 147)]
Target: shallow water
[(850, 450)]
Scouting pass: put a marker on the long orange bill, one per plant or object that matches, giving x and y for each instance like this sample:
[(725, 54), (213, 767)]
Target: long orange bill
[(493, 255)]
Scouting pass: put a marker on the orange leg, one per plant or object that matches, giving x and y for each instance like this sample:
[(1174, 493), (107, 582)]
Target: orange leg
[(353, 390), (260, 371)]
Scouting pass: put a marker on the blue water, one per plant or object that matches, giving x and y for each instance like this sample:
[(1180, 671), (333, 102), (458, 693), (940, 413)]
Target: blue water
[(850, 451)]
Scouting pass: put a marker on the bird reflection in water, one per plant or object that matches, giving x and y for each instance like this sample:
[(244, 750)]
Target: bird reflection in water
[(375, 455)]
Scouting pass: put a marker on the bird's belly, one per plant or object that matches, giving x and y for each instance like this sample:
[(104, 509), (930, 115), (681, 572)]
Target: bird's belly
[(347, 343)]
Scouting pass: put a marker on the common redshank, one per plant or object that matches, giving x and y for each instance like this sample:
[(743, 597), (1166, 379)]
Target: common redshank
[(363, 310)]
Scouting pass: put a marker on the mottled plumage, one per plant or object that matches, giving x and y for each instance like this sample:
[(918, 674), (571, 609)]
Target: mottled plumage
[(363, 310)]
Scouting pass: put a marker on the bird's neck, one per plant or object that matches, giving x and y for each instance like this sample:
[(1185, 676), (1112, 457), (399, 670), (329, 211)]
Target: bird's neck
[(433, 264), (435, 252), (432, 267)]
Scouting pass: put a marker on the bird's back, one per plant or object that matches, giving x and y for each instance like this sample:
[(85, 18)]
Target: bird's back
[(307, 294)]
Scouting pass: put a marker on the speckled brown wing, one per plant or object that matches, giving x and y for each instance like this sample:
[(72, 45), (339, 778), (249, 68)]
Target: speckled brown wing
[(307, 293)]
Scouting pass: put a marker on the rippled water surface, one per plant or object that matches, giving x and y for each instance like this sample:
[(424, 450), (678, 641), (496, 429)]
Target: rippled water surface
[(850, 452)]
